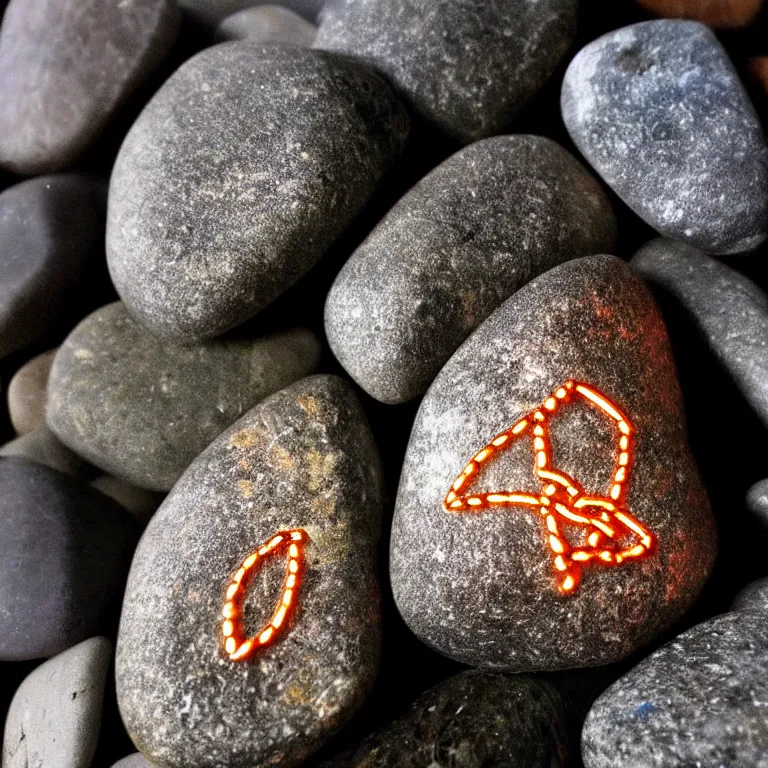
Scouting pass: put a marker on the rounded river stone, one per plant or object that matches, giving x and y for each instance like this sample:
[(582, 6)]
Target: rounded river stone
[(753, 597), (304, 461), (136, 760), (141, 409), (267, 24), (659, 111), (43, 447), (467, 236), (239, 174), (467, 66), (27, 393), (141, 503), (698, 701), (757, 501), (66, 67), (716, 13), (212, 12), (484, 586)]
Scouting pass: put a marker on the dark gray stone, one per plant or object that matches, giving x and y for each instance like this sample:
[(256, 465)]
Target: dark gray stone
[(698, 701), (65, 69), (467, 236), (482, 586), (757, 501), (474, 719), (50, 229), (267, 24), (729, 310), (55, 715), (659, 111), (302, 459), (64, 554), (141, 503), (753, 597), (27, 393), (467, 66), (212, 12), (240, 173), (142, 409), (43, 447)]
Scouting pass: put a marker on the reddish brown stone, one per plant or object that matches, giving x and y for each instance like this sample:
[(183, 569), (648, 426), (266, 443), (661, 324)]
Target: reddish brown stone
[(716, 13)]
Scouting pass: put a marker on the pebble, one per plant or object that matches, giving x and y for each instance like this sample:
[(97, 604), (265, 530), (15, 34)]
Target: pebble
[(698, 701), (43, 447), (239, 174), (757, 501), (136, 760), (64, 554), (717, 13), (212, 12), (659, 111), (267, 24), (302, 462), (753, 597), (467, 67), (729, 310), (142, 504), (55, 715), (467, 236), (124, 400), (64, 74), (27, 393), (51, 228), (485, 587)]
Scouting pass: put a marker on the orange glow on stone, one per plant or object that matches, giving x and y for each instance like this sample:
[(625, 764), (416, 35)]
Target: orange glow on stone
[(605, 521)]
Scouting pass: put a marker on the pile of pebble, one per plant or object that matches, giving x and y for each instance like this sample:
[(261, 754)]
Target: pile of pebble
[(389, 383)]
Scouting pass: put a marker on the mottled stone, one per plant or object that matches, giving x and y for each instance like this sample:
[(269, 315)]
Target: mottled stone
[(212, 12), (753, 597), (43, 447), (141, 503), (303, 459), (728, 309), (65, 68), (474, 719), (55, 715), (467, 66), (50, 229), (142, 409), (136, 760), (240, 173), (27, 393), (267, 24), (716, 13), (482, 586), (757, 501), (698, 701), (659, 111), (466, 237)]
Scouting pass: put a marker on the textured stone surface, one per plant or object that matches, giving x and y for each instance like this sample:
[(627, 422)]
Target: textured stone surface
[(698, 701), (474, 719), (50, 228), (757, 501), (481, 587), (43, 447), (243, 169), (729, 310), (140, 502), (716, 13), (468, 66), (754, 597), (304, 458), (55, 715), (64, 69), (467, 236), (136, 760), (27, 393), (64, 554), (267, 24), (212, 12), (142, 409), (659, 111)]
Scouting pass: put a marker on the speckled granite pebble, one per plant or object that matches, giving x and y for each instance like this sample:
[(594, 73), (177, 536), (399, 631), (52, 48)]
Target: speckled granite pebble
[(142, 409), (43, 447), (66, 67), (698, 701), (239, 174), (55, 715), (302, 459), (753, 597), (27, 393), (482, 587), (467, 66), (757, 501), (658, 109), (467, 236), (267, 24), (729, 310)]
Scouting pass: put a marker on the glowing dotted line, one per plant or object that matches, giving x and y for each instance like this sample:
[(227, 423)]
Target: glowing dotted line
[(563, 498), (236, 645)]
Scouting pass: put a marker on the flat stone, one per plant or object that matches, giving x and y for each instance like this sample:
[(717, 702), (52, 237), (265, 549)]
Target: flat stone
[(729, 310), (55, 715), (753, 597), (27, 393), (717, 13), (302, 461), (50, 229), (659, 111), (267, 24), (212, 12), (699, 700), (467, 236), (64, 71), (43, 447), (142, 409), (757, 501), (141, 503), (64, 554), (482, 583), (288, 146), (467, 66)]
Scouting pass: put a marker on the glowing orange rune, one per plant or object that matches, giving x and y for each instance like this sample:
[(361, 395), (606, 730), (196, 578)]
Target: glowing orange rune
[(606, 523), (237, 646)]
